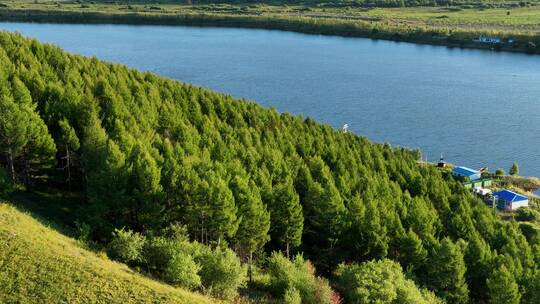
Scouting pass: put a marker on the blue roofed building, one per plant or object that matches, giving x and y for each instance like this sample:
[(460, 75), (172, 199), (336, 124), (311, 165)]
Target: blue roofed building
[(467, 172), (510, 200)]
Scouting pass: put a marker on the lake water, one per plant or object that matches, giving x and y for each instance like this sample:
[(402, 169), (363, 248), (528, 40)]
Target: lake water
[(479, 108)]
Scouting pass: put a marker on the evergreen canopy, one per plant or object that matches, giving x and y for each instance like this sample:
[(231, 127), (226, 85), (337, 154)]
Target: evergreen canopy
[(148, 151)]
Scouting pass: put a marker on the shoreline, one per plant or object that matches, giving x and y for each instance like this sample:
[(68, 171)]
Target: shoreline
[(71, 17), (305, 25)]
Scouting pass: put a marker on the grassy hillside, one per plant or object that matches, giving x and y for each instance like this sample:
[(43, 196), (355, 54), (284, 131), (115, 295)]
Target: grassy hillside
[(452, 24), (40, 265)]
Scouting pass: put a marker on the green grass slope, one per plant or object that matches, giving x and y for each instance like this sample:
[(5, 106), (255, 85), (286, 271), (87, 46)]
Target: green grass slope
[(40, 265)]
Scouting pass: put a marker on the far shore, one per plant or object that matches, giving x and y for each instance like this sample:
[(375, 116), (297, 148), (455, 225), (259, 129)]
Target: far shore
[(309, 24)]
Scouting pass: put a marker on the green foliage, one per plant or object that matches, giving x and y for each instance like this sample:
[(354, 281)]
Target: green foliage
[(288, 277), (527, 215), (24, 137), (287, 218), (413, 252), (39, 265), (69, 143), (514, 170), (478, 257), (5, 183), (503, 288), (68, 136), (152, 152), (500, 172), (213, 210), (379, 282), (221, 272), (182, 270), (292, 296), (446, 273), (532, 291), (171, 258), (126, 246), (159, 251), (193, 265), (531, 232), (82, 231), (255, 219), (176, 232)]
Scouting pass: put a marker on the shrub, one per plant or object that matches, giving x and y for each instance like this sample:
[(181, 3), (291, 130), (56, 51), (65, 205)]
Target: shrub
[(182, 271), (531, 232), (221, 272), (158, 252), (126, 246), (500, 172), (292, 296), (514, 170), (300, 275), (379, 282), (171, 260), (82, 231), (527, 215), (531, 47), (176, 232), (324, 293)]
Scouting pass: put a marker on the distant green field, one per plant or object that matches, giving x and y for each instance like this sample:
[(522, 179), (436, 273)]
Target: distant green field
[(441, 25), (39, 265)]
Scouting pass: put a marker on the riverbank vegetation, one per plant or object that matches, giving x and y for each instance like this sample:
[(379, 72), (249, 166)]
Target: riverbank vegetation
[(455, 24), (204, 191)]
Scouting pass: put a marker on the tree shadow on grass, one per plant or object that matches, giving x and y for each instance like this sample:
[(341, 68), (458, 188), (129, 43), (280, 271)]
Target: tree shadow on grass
[(56, 209)]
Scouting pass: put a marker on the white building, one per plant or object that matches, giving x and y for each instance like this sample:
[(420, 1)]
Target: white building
[(510, 200)]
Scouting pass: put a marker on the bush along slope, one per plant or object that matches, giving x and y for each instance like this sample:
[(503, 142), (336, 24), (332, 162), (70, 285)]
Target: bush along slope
[(147, 152), (39, 265)]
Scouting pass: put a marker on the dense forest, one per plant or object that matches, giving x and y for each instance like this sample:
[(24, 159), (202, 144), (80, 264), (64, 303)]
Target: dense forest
[(166, 167)]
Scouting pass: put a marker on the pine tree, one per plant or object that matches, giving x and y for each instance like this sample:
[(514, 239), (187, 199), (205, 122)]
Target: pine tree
[(532, 288), (146, 190), (221, 219), (171, 170), (286, 215), (70, 143), (514, 170), (478, 258), (502, 287), (412, 253), (13, 132), (446, 273), (324, 213), (107, 181), (23, 135), (255, 220)]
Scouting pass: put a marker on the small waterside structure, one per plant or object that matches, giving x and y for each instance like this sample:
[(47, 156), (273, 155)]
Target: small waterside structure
[(483, 192), (489, 39), (441, 163), (509, 200), (493, 40), (467, 172), (479, 183)]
